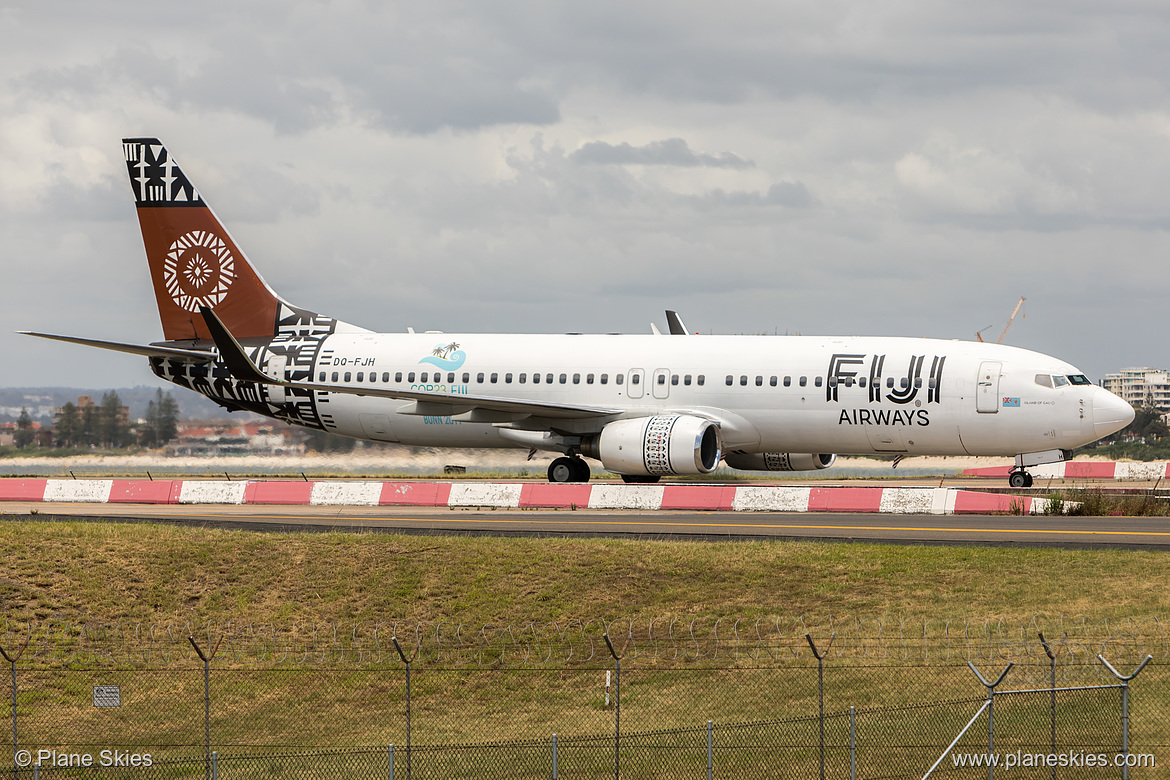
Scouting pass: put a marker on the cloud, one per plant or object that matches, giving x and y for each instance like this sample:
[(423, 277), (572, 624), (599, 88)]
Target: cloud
[(672, 151)]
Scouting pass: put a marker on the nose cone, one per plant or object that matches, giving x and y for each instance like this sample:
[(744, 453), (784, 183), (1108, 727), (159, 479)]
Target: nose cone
[(1110, 413)]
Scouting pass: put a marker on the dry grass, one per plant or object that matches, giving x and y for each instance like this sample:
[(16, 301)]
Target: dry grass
[(121, 572)]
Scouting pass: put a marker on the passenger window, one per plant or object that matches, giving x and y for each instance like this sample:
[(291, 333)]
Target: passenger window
[(618, 379), (563, 379), (662, 379), (397, 376), (701, 380), (604, 379), (536, 379), (817, 381), (890, 382), (861, 381), (635, 379), (321, 378), (730, 380), (772, 381), (507, 379), (918, 381), (743, 380), (423, 377), (548, 379), (386, 377), (832, 381), (334, 376), (674, 379), (451, 378), (479, 377), (849, 381), (589, 379), (804, 381), (523, 378), (361, 377), (409, 377), (759, 381), (347, 376), (788, 381), (904, 382), (495, 377), (466, 378), (687, 380), (576, 379)]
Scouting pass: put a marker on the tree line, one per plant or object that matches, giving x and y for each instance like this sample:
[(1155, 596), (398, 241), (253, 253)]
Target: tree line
[(105, 424)]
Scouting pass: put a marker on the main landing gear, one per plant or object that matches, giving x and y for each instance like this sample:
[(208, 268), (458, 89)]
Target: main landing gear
[(570, 469), (1018, 478)]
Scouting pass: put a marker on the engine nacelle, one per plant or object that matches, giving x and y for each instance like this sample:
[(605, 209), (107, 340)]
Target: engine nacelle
[(667, 444), (779, 461)]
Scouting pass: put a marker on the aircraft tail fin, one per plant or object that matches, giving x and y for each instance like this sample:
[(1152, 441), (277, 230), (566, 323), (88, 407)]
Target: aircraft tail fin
[(194, 262)]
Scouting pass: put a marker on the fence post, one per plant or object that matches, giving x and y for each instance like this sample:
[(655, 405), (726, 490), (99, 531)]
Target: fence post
[(1052, 706), (12, 659), (408, 662), (554, 757), (617, 704), (215, 765), (852, 742), (1125, 678), (710, 749), (390, 756), (820, 656), (206, 699), (991, 711)]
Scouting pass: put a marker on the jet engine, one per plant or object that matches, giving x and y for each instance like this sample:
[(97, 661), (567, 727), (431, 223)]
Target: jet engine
[(779, 461), (666, 444)]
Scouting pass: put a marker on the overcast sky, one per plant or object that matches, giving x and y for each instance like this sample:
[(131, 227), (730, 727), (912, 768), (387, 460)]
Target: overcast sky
[(896, 168)]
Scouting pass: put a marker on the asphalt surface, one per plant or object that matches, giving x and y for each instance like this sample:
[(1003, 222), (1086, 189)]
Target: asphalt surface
[(1145, 533)]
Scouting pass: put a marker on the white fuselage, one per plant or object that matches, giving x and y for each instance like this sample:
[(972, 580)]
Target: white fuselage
[(785, 393)]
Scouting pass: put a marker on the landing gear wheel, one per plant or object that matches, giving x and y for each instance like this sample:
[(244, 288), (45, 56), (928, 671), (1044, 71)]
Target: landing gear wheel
[(565, 470), (1020, 479), (640, 479), (561, 470)]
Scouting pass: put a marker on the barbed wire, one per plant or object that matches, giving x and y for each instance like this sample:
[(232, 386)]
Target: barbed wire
[(670, 640)]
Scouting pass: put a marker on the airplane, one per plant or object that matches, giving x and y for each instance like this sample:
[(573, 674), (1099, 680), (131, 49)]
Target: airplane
[(645, 406)]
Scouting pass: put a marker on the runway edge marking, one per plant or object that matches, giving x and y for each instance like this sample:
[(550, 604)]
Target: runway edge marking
[(515, 495)]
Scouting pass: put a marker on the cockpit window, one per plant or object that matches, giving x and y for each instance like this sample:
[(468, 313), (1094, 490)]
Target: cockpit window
[(1044, 380), (1079, 379), (1060, 381)]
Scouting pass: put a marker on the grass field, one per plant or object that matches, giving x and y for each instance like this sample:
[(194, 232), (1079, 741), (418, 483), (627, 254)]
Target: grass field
[(107, 572)]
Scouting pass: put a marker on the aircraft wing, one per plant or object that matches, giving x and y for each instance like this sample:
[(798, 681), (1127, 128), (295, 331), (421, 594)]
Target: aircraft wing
[(148, 350), (436, 404)]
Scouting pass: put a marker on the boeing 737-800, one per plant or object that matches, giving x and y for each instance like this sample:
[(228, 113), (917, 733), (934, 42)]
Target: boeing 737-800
[(644, 406)]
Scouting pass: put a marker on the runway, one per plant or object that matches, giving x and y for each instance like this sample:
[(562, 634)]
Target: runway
[(1138, 533)]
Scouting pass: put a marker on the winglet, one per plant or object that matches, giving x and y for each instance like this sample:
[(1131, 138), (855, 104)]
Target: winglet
[(237, 360), (676, 324)]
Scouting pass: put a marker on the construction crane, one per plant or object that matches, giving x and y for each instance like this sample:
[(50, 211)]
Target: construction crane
[(1011, 319)]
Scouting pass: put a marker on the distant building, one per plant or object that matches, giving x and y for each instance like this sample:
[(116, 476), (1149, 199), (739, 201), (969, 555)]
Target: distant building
[(219, 438), (1148, 387)]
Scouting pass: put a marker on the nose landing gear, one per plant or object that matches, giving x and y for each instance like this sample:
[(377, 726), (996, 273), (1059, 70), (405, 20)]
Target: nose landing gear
[(1018, 478)]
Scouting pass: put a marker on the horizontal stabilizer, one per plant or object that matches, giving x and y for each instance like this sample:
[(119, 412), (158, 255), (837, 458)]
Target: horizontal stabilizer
[(147, 350)]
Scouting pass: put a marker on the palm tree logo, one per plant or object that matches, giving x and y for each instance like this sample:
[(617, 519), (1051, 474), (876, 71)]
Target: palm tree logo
[(446, 356)]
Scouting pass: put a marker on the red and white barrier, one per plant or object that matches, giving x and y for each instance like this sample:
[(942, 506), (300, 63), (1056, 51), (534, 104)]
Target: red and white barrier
[(514, 495), (1084, 469)]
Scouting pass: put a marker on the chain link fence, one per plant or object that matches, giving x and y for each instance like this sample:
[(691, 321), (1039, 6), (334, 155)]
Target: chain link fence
[(156, 702)]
